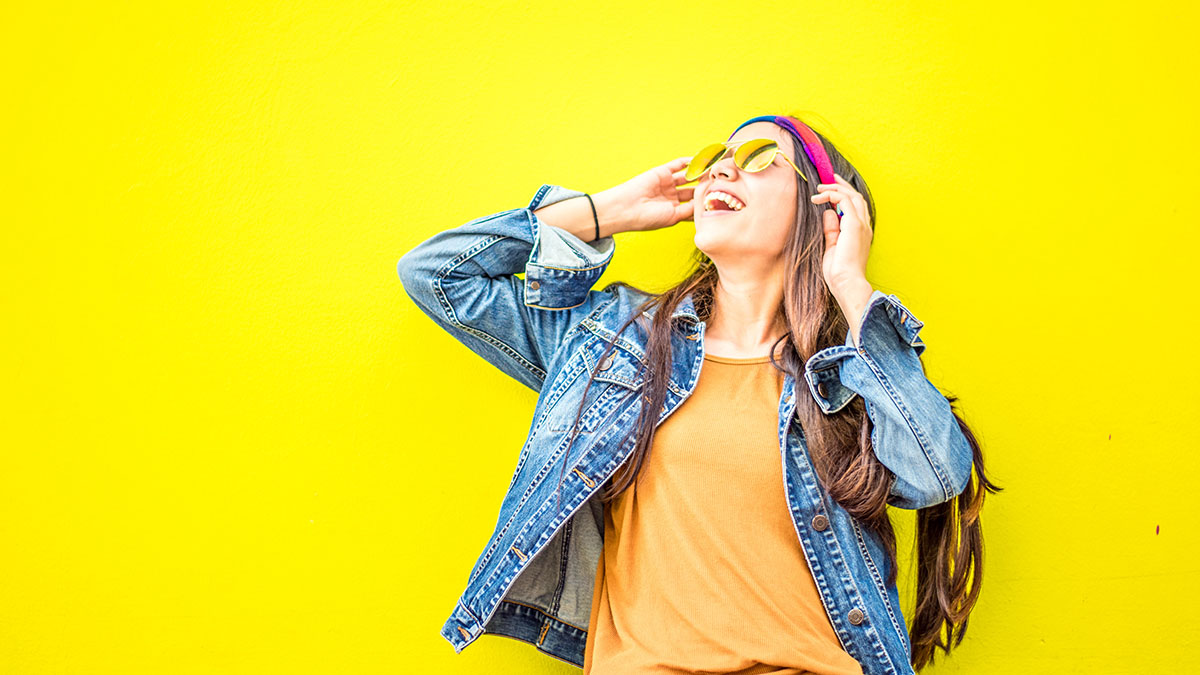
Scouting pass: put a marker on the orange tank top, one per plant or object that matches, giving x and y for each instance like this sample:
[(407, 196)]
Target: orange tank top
[(702, 570)]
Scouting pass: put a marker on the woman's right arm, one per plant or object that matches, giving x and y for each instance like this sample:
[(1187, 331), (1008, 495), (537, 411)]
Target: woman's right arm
[(464, 278)]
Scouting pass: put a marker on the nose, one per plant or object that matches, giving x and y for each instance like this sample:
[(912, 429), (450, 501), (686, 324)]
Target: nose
[(723, 167)]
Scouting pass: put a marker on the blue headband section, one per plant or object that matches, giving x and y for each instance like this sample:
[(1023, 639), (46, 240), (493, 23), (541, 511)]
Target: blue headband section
[(764, 118)]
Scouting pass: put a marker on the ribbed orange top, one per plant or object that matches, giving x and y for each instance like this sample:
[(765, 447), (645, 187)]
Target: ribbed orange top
[(702, 569)]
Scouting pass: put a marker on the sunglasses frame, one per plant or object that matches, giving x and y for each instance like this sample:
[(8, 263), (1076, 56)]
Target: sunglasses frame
[(731, 146)]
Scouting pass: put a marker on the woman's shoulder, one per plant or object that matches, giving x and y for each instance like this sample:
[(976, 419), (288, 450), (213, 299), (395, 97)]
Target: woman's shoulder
[(628, 296), (628, 300)]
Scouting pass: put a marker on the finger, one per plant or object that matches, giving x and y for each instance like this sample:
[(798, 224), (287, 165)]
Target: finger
[(855, 199), (845, 187), (839, 200), (860, 205), (685, 194), (832, 228), (684, 211), (831, 196), (825, 196)]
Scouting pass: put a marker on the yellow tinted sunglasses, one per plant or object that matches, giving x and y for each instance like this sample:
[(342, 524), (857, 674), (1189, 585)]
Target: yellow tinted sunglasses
[(751, 155)]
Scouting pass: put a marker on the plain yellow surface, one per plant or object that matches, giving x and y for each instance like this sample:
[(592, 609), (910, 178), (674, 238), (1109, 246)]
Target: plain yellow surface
[(232, 444)]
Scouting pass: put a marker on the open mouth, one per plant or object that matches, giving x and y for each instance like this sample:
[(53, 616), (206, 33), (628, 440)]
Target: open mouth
[(718, 201)]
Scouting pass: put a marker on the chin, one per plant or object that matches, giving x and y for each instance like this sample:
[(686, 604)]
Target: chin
[(705, 241)]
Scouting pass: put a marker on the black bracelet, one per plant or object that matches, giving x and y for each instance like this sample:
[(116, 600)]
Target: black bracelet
[(594, 216)]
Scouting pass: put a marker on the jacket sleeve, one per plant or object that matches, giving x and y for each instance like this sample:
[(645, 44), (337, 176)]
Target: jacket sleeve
[(464, 279), (914, 432)]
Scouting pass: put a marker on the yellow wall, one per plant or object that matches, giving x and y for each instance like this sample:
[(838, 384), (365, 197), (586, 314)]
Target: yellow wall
[(232, 444)]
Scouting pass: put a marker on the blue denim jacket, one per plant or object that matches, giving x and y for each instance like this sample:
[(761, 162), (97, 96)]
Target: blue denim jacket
[(533, 581)]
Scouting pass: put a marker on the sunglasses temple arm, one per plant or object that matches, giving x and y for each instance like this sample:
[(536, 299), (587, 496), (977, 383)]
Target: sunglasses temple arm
[(789, 161)]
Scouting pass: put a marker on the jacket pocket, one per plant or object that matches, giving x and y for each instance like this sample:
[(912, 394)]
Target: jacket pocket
[(617, 378), (621, 367)]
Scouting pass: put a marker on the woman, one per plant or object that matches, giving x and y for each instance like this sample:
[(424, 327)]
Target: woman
[(671, 420)]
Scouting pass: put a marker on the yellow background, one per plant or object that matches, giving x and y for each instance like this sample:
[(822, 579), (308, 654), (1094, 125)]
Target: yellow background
[(232, 444)]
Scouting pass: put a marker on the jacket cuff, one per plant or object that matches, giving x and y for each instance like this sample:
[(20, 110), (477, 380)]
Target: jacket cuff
[(885, 321), (562, 268)]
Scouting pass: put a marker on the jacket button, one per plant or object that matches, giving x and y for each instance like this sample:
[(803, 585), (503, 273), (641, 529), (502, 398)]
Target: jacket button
[(856, 616), (822, 390), (534, 285), (606, 363), (820, 522)]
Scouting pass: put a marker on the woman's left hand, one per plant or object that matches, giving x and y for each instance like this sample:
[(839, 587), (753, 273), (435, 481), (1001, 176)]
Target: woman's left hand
[(848, 239)]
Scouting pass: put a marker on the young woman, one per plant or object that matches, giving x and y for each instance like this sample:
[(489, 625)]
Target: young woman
[(705, 482)]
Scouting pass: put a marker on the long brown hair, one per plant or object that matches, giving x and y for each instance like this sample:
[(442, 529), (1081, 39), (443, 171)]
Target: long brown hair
[(949, 535)]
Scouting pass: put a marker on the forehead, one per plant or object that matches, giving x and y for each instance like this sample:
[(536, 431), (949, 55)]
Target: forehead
[(765, 130)]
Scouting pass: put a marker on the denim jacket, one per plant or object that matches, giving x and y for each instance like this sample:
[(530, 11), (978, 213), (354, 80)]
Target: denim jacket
[(534, 579)]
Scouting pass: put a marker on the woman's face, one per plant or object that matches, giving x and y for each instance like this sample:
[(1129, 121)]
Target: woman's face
[(762, 226)]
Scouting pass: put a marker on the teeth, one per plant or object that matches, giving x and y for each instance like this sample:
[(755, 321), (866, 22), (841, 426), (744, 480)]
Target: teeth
[(733, 202)]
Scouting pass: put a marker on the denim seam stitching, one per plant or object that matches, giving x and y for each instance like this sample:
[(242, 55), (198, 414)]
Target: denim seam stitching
[(547, 614), (569, 375), (568, 269), (608, 335), (876, 576), (468, 611), (452, 317)]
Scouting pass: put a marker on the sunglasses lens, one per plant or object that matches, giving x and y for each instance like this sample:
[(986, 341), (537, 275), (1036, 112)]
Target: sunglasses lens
[(704, 159), (756, 155)]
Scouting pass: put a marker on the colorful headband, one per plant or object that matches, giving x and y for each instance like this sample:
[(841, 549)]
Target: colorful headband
[(807, 138)]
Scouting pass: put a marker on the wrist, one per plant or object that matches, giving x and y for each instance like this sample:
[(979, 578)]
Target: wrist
[(611, 212), (851, 289), (852, 297)]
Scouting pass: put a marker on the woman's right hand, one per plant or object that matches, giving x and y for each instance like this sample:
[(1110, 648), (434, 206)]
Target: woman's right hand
[(654, 200)]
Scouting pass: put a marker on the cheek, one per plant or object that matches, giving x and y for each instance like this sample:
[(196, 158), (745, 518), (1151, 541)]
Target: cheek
[(783, 213), (777, 226)]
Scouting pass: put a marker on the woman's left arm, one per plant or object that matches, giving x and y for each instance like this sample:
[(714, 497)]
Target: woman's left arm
[(914, 433)]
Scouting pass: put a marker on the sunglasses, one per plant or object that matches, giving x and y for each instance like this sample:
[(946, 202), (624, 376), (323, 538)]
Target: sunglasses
[(752, 155)]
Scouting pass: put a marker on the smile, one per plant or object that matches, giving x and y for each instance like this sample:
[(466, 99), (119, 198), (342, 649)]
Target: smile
[(715, 197)]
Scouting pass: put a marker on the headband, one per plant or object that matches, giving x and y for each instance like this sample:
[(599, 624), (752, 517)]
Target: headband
[(807, 139)]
